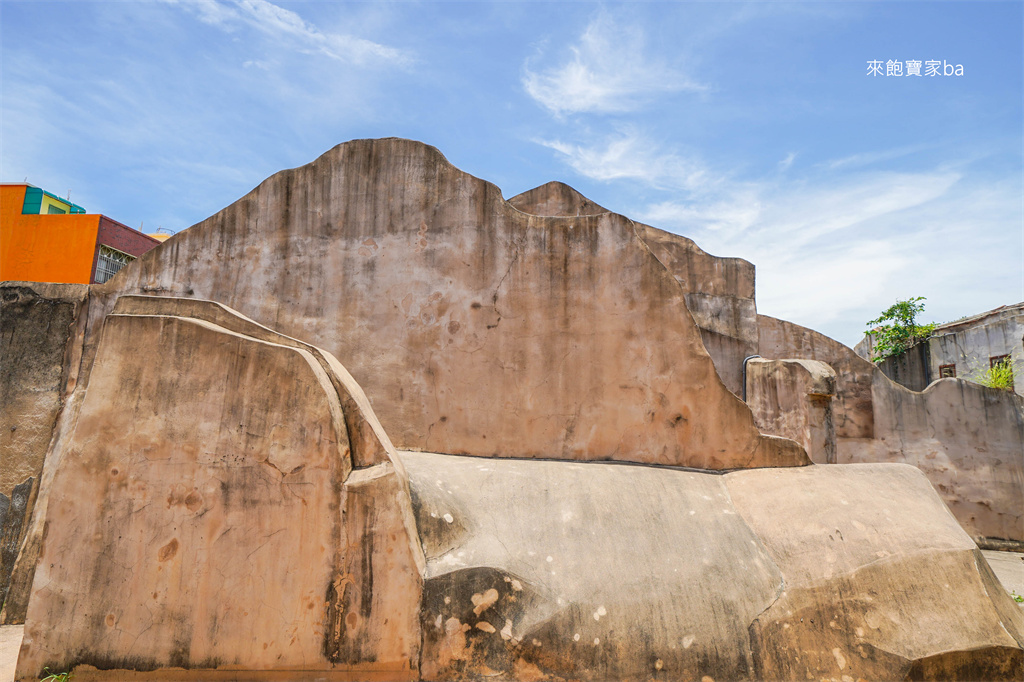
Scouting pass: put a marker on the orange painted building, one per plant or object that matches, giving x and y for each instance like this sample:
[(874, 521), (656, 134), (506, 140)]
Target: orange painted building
[(44, 238)]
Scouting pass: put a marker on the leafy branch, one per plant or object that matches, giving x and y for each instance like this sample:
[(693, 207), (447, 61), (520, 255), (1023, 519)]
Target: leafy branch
[(896, 329)]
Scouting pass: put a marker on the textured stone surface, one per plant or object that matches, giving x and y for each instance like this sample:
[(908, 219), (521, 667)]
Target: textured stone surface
[(215, 489), (40, 342), (793, 399), (642, 572), (474, 327), (719, 291), (36, 323), (968, 439), (890, 589)]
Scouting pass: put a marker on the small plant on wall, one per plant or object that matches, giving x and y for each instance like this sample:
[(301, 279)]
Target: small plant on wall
[(999, 375), (896, 329)]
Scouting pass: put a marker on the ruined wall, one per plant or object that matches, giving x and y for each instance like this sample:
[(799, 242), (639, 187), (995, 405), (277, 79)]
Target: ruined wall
[(206, 515), (970, 345), (37, 344), (719, 291), (793, 399), (967, 345), (911, 369), (852, 407), (473, 327), (969, 440)]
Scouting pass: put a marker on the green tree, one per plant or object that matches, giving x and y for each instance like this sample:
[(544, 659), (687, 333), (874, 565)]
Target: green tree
[(896, 329)]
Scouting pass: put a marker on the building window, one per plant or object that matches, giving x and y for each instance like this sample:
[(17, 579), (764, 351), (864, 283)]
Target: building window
[(109, 262), (947, 371), (55, 210)]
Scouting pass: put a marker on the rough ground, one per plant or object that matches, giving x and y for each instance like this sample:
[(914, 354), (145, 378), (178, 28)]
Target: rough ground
[(10, 642)]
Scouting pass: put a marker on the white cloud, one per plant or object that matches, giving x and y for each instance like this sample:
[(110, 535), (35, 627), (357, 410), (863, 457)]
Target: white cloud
[(607, 72), (283, 24)]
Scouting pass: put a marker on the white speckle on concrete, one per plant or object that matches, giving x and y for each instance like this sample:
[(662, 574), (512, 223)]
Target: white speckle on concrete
[(449, 518), (597, 641), (550, 558), (687, 641), (576, 637), (600, 612)]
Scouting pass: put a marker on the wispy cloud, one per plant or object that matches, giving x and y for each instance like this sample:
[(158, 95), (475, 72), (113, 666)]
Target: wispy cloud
[(631, 155), (607, 71), (828, 245), (869, 158), (283, 24)]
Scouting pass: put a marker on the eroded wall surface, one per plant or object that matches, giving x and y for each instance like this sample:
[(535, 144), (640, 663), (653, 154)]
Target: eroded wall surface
[(474, 327), (793, 399), (719, 291), (38, 336), (206, 514), (968, 439)]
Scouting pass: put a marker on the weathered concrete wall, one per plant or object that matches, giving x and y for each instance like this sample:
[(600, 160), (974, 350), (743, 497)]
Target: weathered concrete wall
[(793, 399), (594, 571), (206, 515), (719, 291), (36, 324), (38, 344), (911, 369), (474, 327), (852, 407), (556, 199), (968, 440), (969, 345)]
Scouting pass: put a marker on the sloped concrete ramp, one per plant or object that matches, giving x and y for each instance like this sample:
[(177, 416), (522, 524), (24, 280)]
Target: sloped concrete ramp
[(552, 570)]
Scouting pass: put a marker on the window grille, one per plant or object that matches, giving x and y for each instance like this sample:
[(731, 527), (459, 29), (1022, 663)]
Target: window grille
[(947, 371), (109, 262)]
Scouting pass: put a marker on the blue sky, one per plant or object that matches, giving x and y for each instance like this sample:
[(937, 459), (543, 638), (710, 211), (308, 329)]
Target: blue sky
[(752, 128)]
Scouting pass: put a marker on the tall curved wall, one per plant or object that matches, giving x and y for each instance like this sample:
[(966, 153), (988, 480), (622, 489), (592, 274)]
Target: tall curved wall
[(474, 327)]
